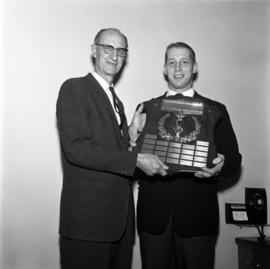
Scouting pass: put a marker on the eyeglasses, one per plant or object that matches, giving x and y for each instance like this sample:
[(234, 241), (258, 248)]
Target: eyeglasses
[(122, 52)]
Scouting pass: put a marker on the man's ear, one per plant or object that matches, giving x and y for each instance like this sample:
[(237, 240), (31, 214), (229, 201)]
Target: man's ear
[(195, 68), (94, 51), (165, 70)]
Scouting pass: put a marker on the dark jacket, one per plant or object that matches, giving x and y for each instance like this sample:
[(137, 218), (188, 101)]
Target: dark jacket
[(192, 202), (97, 166)]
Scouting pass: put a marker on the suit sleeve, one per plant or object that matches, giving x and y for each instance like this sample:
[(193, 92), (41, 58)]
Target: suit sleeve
[(226, 143), (78, 140)]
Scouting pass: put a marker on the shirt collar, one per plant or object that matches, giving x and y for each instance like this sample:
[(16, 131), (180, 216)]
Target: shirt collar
[(189, 93), (104, 84)]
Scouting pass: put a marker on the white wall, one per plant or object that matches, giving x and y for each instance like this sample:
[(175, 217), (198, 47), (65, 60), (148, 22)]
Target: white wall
[(46, 42)]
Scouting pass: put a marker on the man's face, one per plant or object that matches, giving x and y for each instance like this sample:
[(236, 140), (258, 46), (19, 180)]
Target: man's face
[(107, 65), (179, 69)]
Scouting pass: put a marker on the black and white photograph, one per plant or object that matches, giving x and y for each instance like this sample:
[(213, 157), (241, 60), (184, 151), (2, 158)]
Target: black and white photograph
[(134, 134)]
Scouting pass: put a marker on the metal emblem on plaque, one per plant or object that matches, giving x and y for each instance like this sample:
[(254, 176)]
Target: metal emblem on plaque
[(180, 132)]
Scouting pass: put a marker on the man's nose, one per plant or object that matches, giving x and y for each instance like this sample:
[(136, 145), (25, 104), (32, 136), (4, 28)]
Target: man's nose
[(114, 54), (178, 67)]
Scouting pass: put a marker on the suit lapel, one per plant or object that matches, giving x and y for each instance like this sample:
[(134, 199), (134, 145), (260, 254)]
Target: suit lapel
[(99, 91)]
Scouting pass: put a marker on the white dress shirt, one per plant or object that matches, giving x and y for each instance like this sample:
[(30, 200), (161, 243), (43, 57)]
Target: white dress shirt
[(105, 86), (188, 93)]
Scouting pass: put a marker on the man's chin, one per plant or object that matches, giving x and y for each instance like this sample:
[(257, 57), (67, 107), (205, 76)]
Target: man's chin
[(111, 72), (178, 87)]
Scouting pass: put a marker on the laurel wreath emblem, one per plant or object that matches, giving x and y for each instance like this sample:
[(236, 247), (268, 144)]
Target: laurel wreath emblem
[(178, 129)]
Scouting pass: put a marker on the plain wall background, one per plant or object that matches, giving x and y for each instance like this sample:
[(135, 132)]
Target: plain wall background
[(45, 42)]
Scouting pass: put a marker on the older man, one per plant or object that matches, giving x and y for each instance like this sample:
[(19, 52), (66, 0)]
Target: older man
[(97, 211)]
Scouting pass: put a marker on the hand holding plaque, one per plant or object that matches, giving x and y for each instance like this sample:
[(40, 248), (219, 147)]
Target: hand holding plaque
[(137, 125)]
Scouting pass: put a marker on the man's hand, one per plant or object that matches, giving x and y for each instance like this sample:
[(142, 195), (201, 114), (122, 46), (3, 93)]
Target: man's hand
[(151, 164), (137, 125), (210, 172)]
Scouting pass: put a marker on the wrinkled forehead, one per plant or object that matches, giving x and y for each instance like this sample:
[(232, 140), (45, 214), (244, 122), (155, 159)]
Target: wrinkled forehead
[(113, 37)]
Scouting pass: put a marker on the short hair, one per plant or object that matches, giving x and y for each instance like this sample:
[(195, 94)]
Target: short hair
[(100, 33), (180, 45)]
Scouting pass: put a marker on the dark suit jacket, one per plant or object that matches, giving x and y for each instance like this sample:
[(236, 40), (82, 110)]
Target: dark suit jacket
[(96, 163), (192, 202)]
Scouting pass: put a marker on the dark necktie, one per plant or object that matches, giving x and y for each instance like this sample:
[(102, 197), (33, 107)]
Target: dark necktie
[(117, 106)]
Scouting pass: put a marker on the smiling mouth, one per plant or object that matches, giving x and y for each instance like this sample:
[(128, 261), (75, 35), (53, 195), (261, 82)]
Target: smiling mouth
[(112, 64), (179, 76)]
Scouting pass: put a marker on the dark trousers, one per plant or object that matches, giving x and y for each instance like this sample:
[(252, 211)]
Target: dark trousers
[(169, 250), (80, 254)]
